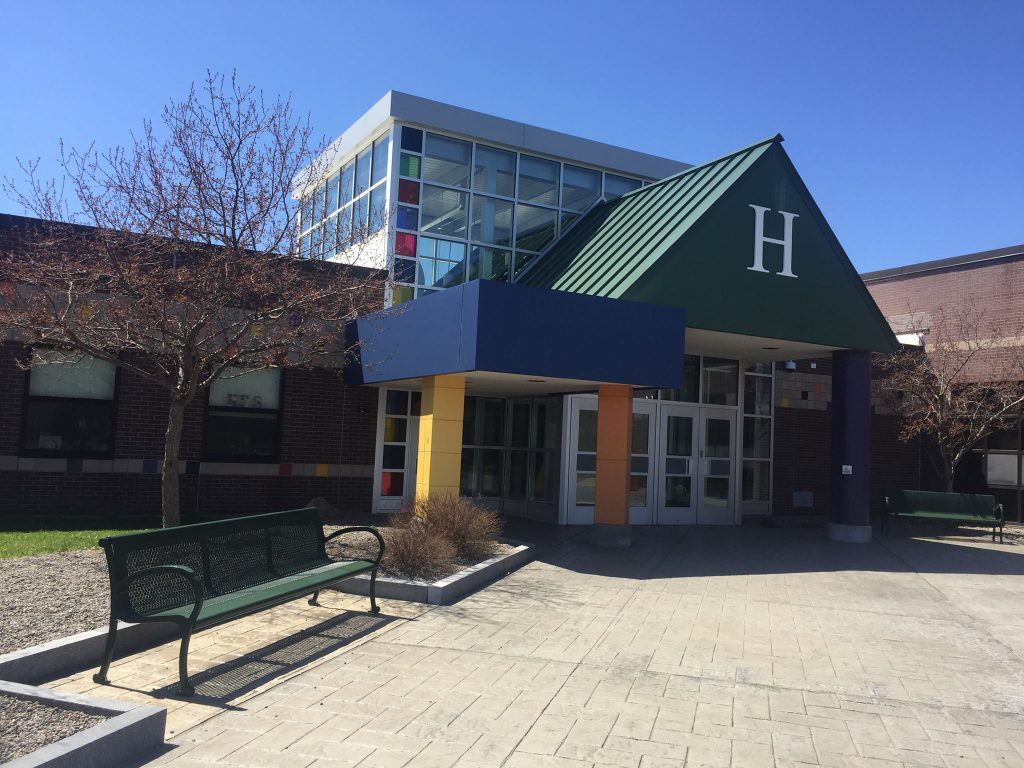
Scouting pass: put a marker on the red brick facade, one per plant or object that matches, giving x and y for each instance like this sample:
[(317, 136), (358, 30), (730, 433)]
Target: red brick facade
[(323, 422)]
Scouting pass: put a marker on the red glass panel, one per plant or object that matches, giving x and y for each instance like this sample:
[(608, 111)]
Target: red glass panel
[(408, 192), (405, 244), (392, 483)]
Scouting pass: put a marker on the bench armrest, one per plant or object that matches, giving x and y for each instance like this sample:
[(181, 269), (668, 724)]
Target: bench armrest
[(181, 571), (367, 529)]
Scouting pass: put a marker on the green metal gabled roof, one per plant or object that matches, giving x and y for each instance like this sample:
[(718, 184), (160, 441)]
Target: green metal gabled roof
[(690, 241), (616, 242)]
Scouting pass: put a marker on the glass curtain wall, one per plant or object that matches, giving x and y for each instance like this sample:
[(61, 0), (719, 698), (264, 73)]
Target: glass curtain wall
[(468, 211), (350, 206)]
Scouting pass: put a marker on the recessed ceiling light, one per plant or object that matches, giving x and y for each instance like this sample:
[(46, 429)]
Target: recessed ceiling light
[(769, 349), (536, 381)]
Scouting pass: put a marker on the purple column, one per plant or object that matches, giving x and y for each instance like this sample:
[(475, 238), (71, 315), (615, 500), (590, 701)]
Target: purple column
[(850, 518)]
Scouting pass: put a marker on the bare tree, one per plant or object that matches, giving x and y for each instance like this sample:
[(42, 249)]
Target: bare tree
[(176, 256), (965, 382)]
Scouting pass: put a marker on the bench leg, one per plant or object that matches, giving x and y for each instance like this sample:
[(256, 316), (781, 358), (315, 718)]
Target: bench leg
[(108, 654), (184, 687), (374, 608), (312, 600)]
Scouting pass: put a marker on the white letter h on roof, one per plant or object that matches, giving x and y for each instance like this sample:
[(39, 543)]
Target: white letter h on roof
[(786, 242)]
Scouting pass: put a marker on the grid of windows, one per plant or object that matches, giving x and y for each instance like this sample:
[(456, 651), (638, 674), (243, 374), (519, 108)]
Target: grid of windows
[(349, 206), (757, 433), (468, 211)]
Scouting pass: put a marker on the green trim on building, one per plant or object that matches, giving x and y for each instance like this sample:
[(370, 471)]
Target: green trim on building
[(689, 241)]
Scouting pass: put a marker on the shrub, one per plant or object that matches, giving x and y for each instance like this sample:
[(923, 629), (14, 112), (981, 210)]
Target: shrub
[(413, 551), (472, 529)]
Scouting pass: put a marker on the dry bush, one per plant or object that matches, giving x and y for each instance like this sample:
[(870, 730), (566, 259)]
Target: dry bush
[(472, 529), (412, 551)]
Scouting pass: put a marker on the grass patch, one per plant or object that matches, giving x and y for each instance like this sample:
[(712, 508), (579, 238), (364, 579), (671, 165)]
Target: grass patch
[(22, 543)]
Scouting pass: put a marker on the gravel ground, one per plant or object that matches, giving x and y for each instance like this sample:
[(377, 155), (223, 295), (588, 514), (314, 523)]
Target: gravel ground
[(27, 725), (47, 597)]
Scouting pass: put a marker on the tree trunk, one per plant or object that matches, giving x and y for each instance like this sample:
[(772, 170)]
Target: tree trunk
[(170, 492), (950, 471)]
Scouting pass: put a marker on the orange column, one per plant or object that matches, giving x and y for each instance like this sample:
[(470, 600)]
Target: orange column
[(614, 440)]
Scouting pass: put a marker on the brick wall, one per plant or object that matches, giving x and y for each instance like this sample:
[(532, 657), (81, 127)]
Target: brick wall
[(323, 422)]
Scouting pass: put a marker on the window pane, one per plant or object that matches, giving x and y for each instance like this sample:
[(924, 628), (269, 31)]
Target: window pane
[(677, 491), (405, 244), (567, 221), (360, 217), (363, 171), (239, 434), (492, 221), (540, 476), (307, 213), (490, 473), (1001, 468), (520, 431), (640, 433), (392, 483), (535, 227), (757, 395), (405, 270), (446, 161), (538, 180), (522, 261), (757, 438), (764, 369), (518, 463), (679, 440), (638, 490), (488, 263), (443, 211), (330, 237), (585, 485), (492, 424), (401, 294), (59, 374), (691, 382), (587, 439), (409, 166), (394, 429), (494, 171), (756, 480), (720, 381), (412, 139), (580, 187), (408, 218), (378, 207), (617, 186), (318, 204), (393, 457), (380, 158), (332, 193), (348, 179), (236, 388), (69, 426), (408, 192), (396, 401)]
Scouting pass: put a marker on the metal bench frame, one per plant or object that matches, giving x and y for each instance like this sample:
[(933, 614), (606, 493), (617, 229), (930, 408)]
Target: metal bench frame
[(191, 577)]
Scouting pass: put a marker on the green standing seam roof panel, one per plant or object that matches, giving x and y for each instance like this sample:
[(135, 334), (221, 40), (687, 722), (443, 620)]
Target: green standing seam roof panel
[(687, 240)]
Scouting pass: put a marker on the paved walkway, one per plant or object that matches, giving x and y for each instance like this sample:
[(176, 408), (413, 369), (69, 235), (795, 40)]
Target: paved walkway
[(717, 647)]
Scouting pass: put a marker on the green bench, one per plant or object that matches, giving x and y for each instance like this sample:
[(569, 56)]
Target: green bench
[(199, 575), (961, 508)]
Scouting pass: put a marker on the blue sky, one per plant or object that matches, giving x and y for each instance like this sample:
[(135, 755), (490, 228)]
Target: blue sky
[(905, 119)]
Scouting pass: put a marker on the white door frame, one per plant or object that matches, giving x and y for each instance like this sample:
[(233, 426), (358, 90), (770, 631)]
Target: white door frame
[(676, 515), (707, 515)]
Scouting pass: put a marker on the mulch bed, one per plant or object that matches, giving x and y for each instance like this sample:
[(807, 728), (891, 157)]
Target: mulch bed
[(27, 725)]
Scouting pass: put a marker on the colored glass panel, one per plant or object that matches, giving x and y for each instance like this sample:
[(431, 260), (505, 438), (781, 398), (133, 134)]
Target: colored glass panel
[(409, 165), (408, 192), (412, 139), (392, 483), (405, 244), (408, 218), (405, 270)]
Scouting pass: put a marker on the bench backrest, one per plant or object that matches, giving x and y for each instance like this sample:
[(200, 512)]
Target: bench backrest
[(228, 555), (979, 504)]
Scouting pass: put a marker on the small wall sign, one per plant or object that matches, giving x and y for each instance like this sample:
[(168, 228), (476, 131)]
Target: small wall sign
[(847, 469)]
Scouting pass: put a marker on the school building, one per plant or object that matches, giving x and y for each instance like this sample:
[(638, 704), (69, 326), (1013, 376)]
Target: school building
[(573, 332)]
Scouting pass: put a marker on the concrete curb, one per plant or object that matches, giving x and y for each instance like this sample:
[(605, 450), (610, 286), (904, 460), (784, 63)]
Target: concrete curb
[(447, 590), (132, 732), (59, 658)]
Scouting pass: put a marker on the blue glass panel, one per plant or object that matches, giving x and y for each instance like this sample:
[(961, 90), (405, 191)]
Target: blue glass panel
[(408, 218), (405, 271), (412, 139)]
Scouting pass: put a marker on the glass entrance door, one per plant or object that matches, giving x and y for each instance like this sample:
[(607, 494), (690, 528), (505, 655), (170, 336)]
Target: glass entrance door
[(716, 494), (677, 465)]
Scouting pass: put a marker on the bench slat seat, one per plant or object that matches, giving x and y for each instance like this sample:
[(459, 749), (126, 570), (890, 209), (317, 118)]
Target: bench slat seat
[(967, 508), (240, 603), (207, 573)]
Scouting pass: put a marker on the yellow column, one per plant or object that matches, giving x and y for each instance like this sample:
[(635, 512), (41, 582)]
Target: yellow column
[(614, 442), (440, 444)]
